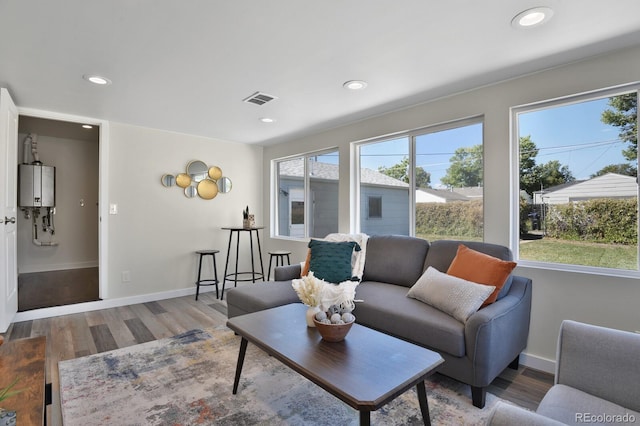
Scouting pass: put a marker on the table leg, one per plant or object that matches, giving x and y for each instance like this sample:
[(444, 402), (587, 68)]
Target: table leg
[(260, 253), (226, 265), (424, 404), (365, 418), (243, 350), (253, 269), (235, 283)]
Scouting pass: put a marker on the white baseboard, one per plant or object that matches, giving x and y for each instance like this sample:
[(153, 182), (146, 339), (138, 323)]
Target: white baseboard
[(76, 308), (28, 269), (538, 363)]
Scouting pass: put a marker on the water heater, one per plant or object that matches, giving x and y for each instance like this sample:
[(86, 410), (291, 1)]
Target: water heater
[(37, 185)]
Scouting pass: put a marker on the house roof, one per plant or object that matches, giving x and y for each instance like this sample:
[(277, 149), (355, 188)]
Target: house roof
[(328, 171), (188, 67), (444, 194), (609, 185)]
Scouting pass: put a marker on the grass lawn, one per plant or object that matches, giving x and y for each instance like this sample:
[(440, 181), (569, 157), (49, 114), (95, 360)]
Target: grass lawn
[(580, 253)]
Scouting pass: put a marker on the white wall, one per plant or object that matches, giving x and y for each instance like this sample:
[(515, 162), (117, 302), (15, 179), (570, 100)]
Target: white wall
[(157, 230), (76, 226), (608, 301)]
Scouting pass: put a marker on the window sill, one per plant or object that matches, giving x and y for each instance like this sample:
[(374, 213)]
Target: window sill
[(579, 269)]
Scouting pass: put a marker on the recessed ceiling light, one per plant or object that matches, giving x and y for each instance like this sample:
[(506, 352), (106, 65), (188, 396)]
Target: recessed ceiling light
[(532, 17), (96, 79), (355, 85), (87, 126), (267, 120)]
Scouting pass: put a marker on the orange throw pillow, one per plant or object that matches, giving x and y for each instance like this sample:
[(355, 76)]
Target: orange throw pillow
[(307, 262), (471, 265)]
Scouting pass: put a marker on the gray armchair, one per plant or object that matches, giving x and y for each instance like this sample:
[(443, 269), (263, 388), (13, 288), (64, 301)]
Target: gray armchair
[(597, 381)]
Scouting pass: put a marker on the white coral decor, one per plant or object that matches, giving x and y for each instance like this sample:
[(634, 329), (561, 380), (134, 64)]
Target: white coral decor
[(316, 292)]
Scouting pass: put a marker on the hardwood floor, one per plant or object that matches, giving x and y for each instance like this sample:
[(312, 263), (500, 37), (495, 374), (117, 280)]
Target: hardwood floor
[(55, 288), (77, 335)]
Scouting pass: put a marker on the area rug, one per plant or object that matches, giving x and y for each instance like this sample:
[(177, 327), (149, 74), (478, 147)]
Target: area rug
[(187, 380)]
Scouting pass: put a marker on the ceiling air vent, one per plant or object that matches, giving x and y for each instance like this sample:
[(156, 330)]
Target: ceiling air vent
[(259, 98)]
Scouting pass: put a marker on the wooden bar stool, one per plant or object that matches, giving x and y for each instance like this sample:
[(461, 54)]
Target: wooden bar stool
[(201, 281), (279, 255)]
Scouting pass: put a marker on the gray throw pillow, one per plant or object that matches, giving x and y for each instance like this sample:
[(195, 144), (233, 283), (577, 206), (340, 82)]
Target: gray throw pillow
[(454, 296)]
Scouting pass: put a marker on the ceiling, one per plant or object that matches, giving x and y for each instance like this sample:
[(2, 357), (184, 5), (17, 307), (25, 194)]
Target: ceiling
[(187, 65)]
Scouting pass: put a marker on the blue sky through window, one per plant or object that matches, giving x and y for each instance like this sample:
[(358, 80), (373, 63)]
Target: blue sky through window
[(575, 136)]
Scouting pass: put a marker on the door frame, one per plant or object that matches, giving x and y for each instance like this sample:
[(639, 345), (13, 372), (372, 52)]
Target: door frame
[(9, 209), (103, 185)]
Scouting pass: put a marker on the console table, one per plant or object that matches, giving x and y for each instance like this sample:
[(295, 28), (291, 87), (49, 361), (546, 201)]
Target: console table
[(234, 276), (25, 359)]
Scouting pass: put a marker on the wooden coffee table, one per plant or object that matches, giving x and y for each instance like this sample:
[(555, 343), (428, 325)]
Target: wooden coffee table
[(366, 370), (25, 359)]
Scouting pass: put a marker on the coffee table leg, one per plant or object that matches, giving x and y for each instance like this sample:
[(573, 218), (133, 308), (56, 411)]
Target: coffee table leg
[(365, 418), (243, 350), (424, 404)]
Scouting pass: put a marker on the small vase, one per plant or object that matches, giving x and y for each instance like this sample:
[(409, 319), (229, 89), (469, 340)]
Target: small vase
[(311, 312), (249, 222)]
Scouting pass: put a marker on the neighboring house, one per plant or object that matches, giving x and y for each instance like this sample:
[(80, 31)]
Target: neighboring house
[(470, 192), (610, 185), (429, 195), (384, 204), (384, 207)]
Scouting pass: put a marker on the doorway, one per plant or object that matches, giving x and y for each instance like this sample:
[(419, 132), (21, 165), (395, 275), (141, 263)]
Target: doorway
[(58, 244)]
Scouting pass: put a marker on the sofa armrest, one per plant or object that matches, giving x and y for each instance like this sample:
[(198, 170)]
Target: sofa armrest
[(287, 272), (587, 353), (496, 334), (508, 415)]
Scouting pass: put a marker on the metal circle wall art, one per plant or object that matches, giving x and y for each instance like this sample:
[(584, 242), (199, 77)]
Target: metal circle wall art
[(207, 189), (199, 179)]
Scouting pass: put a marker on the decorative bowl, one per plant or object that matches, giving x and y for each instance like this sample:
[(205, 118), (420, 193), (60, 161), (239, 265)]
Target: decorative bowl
[(333, 332)]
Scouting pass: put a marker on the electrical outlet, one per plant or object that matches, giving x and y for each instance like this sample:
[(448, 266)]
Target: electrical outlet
[(126, 276), (113, 209)]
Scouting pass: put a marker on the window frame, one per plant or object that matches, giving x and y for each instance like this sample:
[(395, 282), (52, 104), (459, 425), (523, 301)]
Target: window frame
[(275, 188), (412, 135), (514, 113)]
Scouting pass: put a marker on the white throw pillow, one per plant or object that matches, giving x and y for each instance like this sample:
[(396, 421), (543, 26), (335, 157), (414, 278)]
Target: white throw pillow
[(454, 296)]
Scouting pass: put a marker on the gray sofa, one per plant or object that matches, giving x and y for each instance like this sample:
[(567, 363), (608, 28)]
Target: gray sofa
[(475, 353), (597, 376)]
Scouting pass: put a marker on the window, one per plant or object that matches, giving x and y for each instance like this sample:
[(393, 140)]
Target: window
[(375, 207), (429, 183), (578, 185), (306, 195)]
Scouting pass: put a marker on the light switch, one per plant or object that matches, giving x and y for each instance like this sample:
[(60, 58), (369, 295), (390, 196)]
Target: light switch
[(113, 209)]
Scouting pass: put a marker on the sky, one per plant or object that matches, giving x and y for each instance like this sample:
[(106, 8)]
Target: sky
[(433, 150), (575, 136), (572, 134)]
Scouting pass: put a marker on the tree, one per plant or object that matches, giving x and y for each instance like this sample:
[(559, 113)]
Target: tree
[(553, 173), (466, 168), (400, 171), (534, 177), (621, 169), (624, 115), (529, 181)]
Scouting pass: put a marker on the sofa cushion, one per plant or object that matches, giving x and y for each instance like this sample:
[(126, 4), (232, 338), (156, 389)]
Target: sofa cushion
[(454, 296), (386, 307), (331, 261), (472, 265), (257, 297), (395, 259), (570, 406)]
